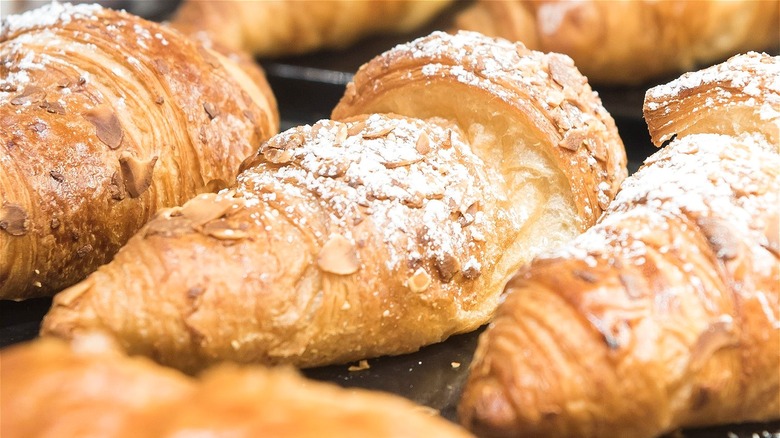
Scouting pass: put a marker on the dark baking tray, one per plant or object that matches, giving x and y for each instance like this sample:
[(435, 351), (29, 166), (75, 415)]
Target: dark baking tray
[(307, 88)]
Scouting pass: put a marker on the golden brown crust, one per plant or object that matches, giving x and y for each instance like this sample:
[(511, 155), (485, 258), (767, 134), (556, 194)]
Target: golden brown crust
[(630, 42), (287, 27), (374, 235), (664, 314), (51, 388), (105, 118), (739, 95)]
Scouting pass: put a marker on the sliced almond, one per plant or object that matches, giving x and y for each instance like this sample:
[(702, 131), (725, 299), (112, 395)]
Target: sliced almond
[(378, 132), (206, 208), (448, 265), (419, 281), (356, 128), (224, 230), (136, 174), (338, 256), (13, 219), (423, 145), (211, 110), (720, 237), (117, 188), (278, 156), (31, 94), (107, 125)]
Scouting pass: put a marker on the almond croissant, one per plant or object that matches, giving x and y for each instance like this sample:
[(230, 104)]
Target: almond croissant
[(288, 27), (666, 313), (86, 388), (631, 41), (373, 234), (104, 119)]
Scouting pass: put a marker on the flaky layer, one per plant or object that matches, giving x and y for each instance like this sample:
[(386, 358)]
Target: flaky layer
[(104, 119)]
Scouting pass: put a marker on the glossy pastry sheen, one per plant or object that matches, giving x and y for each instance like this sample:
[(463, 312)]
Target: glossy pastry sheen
[(372, 234), (665, 314), (288, 27), (51, 388), (628, 41), (104, 119)]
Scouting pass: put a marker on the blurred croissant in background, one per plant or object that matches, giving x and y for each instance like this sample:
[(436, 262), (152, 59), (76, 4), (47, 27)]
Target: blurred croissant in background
[(630, 42)]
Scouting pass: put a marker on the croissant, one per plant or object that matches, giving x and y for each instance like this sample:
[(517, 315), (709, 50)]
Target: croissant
[(104, 119), (287, 27), (630, 42), (51, 388), (373, 234), (665, 314)]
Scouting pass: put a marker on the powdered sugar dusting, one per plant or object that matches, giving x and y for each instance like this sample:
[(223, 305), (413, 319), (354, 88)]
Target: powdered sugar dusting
[(535, 81), (701, 176), (416, 181), (749, 73), (48, 15)]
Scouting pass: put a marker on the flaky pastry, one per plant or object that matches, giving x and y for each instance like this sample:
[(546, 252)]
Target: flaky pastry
[(394, 226), (665, 314), (104, 119)]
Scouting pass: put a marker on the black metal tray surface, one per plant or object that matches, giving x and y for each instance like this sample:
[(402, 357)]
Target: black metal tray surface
[(307, 88)]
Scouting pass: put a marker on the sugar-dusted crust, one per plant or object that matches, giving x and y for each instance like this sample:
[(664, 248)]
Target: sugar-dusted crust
[(739, 95), (372, 234), (104, 119), (665, 314)]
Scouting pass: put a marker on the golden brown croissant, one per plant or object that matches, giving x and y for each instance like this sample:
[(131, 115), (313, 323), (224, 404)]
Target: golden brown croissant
[(666, 313), (51, 388), (286, 27), (373, 235), (104, 119), (627, 41)]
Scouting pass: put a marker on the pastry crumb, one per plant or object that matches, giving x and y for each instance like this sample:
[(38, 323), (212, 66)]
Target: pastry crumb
[(362, 365)]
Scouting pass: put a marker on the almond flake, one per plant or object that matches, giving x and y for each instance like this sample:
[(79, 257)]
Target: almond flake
[(381, 132), (338, 256), (423, 145), (206, 208), (211, 110), (136, 174), (223, 230), (13, 219), (107, 125), (31, 94)]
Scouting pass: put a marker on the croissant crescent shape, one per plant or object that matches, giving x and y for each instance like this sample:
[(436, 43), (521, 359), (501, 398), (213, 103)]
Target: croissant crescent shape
[(373, 234), (665, 314), (104, 119)]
